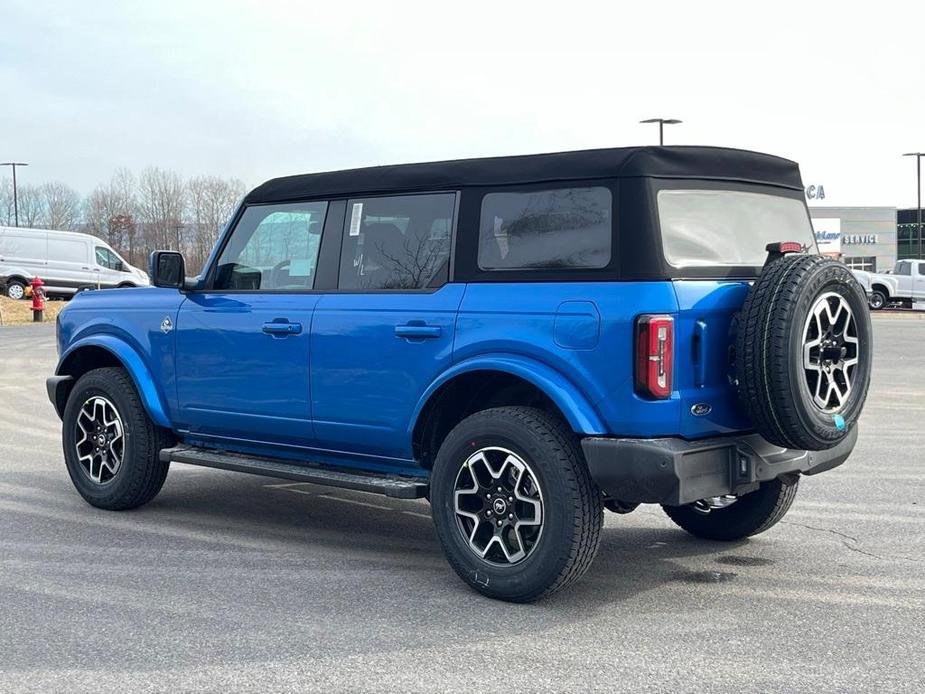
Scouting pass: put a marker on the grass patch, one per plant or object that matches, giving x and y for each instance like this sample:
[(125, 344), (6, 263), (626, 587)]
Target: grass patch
[(14, 312)]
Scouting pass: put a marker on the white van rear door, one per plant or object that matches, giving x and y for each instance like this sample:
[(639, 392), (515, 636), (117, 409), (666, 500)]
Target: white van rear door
[(23, 252)]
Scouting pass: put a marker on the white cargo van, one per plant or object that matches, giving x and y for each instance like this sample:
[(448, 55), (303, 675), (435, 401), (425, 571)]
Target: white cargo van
[(66, 261)]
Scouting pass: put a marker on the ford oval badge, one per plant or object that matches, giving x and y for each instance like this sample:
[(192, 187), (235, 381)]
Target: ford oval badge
[(701, 409)]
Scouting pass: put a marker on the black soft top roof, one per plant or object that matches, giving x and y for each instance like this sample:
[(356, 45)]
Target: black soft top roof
[(713, 163)]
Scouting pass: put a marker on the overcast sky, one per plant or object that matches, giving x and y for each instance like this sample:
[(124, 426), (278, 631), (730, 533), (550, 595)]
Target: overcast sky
[(256, 90)]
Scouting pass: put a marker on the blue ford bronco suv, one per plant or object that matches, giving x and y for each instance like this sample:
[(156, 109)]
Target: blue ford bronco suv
[(524, 341)]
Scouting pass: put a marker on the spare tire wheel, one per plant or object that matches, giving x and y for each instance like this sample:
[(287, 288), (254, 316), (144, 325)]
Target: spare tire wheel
[(803, 352)]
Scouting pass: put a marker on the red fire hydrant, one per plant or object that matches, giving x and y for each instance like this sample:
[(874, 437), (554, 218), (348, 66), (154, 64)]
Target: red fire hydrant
[(38, 299)]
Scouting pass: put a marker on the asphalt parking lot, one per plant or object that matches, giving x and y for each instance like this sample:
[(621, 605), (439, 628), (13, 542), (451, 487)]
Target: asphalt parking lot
[(229, 582)]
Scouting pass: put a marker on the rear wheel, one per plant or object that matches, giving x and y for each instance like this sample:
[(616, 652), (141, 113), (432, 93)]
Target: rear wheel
[(15, 289), (730, 518), (111, 446), (514, 505)]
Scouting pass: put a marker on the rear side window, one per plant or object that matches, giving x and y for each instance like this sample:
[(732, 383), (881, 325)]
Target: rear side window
[(561, 228), (273, 247), (400, 242)]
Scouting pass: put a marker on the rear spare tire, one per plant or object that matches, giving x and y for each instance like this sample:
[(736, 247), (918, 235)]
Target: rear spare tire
[(803, 352)]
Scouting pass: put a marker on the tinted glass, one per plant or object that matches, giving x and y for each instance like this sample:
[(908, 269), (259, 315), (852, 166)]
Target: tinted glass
[(273, 247), (904, 268), (398, 242), (108, 259), (728, 227), (564, 228)]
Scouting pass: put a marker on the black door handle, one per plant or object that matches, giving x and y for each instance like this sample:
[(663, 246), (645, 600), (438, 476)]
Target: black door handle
[(414, 330)]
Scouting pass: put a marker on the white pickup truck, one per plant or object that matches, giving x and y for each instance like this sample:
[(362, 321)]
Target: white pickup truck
[(904, 284)]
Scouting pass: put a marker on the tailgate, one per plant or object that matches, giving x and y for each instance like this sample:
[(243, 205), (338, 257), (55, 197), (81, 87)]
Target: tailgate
[(703, 342)]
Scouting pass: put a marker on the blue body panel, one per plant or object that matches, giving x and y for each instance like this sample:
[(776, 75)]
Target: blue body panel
[(127, 323), (235, 380), (703, 371), (524, 320), (347, 386), (366, 378)]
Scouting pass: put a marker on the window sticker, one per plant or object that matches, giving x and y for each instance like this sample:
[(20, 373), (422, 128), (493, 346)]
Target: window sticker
[(356, 218)]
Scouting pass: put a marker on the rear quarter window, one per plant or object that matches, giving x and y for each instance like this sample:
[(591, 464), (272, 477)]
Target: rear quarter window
[(546, 229)]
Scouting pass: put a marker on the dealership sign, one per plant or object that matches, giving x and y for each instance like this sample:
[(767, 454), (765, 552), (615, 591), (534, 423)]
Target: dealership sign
[(815, 192), (828, 234), (859, 239)]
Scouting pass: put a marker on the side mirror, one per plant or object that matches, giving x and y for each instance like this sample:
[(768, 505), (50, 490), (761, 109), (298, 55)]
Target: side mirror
[(167, 269)]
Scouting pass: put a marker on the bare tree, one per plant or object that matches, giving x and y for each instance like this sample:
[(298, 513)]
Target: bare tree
[(31, 211), (211, 203), (109, 212), (7, 210), (160, 207), (60, 205)]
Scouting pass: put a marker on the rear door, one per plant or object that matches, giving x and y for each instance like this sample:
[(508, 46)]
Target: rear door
[(905, 279), (243, 342), (918, 279), (386, 332), (714, 238), (24, 252)]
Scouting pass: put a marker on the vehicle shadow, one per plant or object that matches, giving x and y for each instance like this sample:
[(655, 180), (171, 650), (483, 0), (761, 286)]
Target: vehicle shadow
[(305, 519)]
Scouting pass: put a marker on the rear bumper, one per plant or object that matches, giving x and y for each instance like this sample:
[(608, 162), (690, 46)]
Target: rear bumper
[(675, 471)]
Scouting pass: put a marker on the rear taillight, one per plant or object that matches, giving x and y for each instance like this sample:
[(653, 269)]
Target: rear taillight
[(654, 356)]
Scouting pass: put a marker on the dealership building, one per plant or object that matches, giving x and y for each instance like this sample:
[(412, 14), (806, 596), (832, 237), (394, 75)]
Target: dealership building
[(867, 238)]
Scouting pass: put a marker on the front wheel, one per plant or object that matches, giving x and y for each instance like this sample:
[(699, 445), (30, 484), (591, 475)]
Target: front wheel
[(514, 506), (729, 519), (876, 300), (111, 446)]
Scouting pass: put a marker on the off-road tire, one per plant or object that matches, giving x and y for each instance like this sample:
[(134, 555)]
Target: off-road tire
[(573, 512), (752, 514), (141, 474), (769, 352)]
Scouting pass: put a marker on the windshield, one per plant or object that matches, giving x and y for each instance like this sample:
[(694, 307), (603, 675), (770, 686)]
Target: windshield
[(728, 227)]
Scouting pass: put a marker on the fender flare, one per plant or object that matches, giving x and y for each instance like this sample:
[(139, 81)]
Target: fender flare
[(891, 284), (576, 408), (129, 357)]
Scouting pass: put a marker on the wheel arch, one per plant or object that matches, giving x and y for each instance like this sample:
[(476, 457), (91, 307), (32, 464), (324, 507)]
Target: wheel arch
[(492, 381), (14, 277), (882, 287), (105, 350)]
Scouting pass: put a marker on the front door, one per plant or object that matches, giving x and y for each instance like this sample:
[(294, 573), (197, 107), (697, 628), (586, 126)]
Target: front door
[(243, 342), (386, 333)]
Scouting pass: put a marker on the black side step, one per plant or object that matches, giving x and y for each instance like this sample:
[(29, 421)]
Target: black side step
[(397, 487)]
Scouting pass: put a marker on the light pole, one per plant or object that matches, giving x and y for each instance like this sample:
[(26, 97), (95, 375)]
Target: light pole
[(14, 164), (918, 185), (662, 122)]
